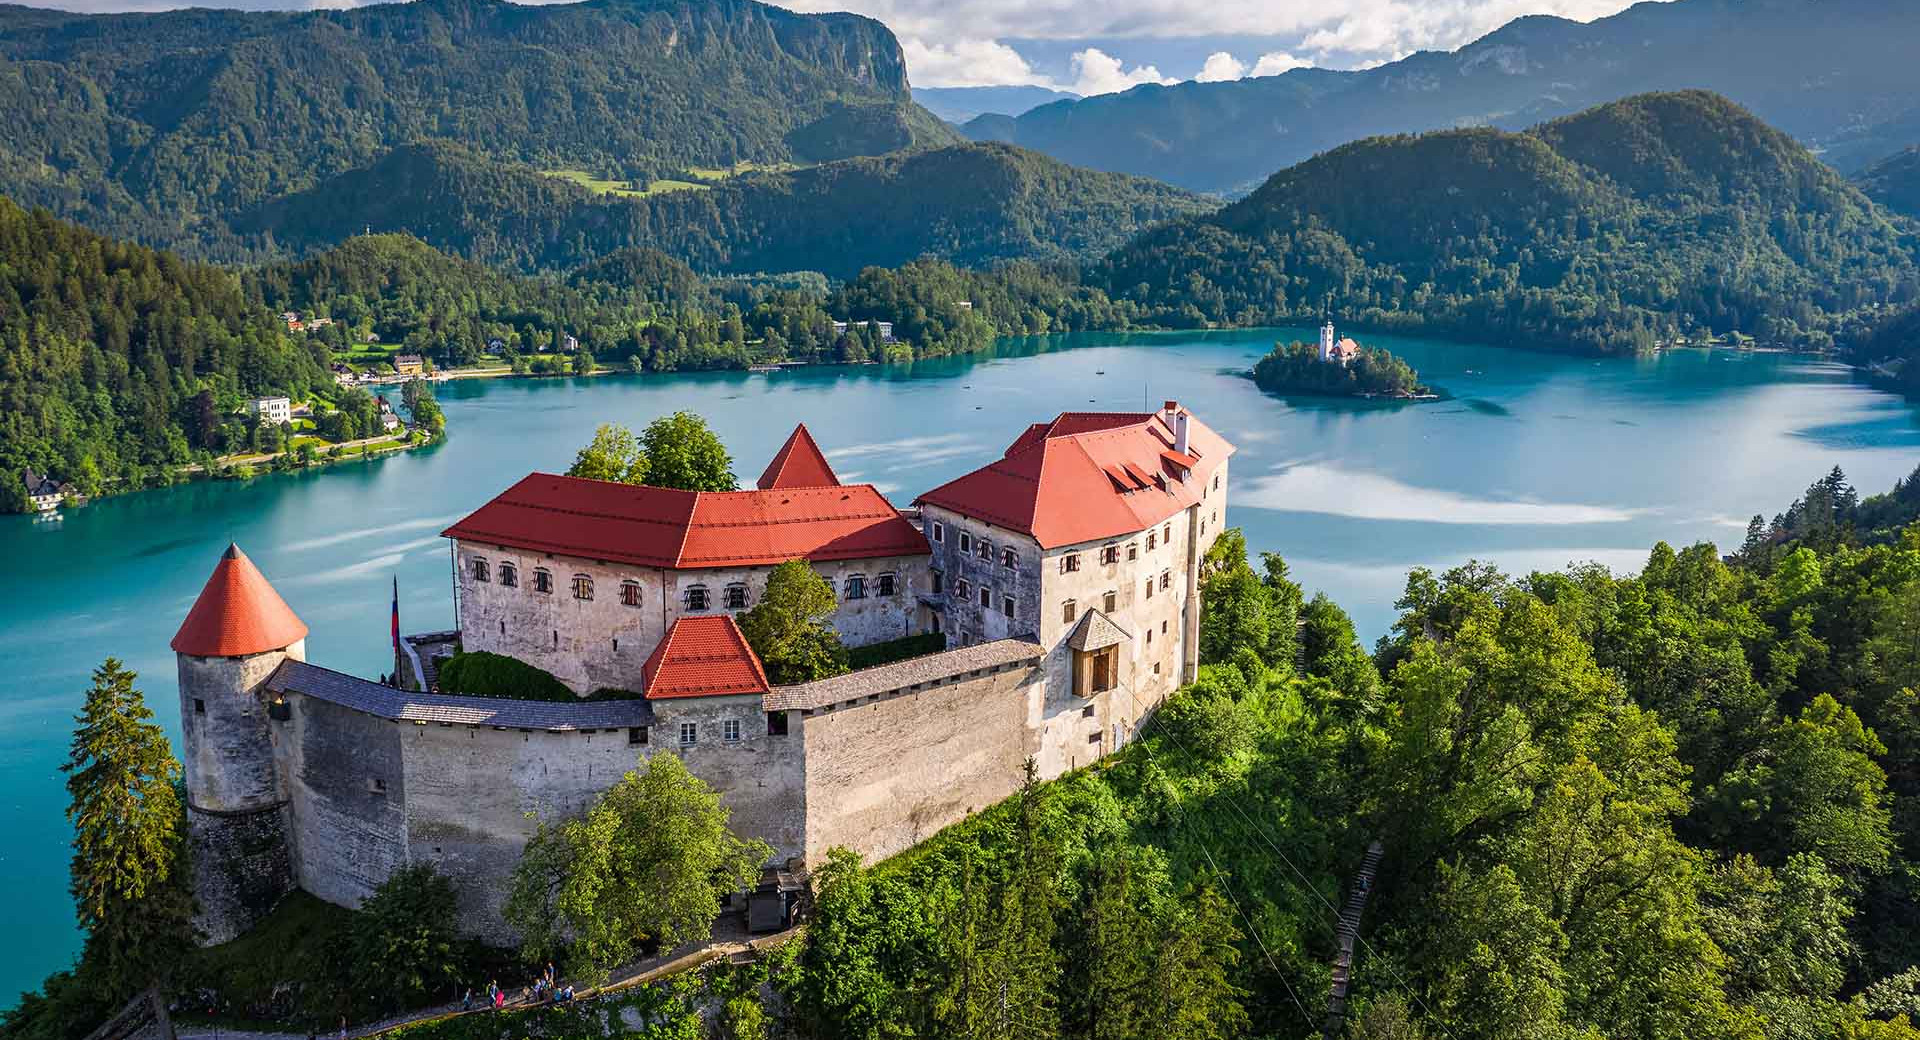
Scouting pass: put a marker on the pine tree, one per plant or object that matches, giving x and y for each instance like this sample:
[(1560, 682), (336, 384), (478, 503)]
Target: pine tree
[(1195, 997), (1118, 950), (130, 884)]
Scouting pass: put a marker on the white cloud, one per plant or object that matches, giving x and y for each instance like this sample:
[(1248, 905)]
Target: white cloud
[(967, 63), (1221, 66), (1273, 63), (1097, 72)]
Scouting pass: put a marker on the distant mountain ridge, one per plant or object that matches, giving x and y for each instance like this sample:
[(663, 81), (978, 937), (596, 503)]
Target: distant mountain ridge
[(969, 204), (159, 126), (1835, 74), (960, 104), (1612, 230), (1894, 182)]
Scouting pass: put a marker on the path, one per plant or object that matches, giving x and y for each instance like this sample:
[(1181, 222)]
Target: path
[(1347, 934)]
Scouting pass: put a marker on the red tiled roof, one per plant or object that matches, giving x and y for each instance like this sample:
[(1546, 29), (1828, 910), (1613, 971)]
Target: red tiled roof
[(1087, 476), (703, 656), (238, 613), (799, 463), (686, 530)]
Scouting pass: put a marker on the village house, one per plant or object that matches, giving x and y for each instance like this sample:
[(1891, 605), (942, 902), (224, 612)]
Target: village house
[(409, 364), (273, 410), (43, 492)]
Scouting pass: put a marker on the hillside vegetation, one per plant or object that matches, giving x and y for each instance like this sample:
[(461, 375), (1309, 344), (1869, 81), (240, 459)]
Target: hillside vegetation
[(971, 204), (1894, 182), (1833, 73), (1618, 229), (160, 126)]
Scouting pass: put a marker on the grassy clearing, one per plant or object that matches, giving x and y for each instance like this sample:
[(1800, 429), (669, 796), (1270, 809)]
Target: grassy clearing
[(721, 173), (622, 188)]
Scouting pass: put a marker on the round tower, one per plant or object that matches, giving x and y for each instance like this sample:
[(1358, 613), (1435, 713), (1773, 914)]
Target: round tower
[(238, 632)]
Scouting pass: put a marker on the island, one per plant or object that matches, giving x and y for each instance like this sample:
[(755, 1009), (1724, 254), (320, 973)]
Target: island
[(1338, 367)]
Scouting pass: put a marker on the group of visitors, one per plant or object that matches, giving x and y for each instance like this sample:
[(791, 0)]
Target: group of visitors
[(544, 988)]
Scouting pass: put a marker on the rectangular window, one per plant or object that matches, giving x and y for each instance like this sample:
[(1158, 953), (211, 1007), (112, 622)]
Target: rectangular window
[(730, 731), (509, 576), (1167, 535), (1149, 588), (938, 587), (984, 550), (636, 735), (1069, 612), (1133, 551), (939, 531), (479, 569), (1151, 541), (857, 586), (1069, 563), (966, 542), (1009, 559), (199, 706), (697, 597), (1110, 554), (1086, 712), (1149, 637), (582, 587), (1166, 580), (1110, 602), (887, 585), (1006, 606), (542, 580), (1105, 670), (986, 598), (630, 593), (966, 589), (1093, 738), (689, 734), (776, 724), (1163, 628), (736, 597), (1216, 481)]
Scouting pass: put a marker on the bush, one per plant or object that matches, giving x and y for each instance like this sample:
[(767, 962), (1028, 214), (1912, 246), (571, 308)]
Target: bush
[(406, 949), (1211, 728), (482, 674), (876, 654)]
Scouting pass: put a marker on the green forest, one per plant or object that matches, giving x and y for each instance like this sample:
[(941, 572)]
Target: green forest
[(1640, 223), (1296, 368)]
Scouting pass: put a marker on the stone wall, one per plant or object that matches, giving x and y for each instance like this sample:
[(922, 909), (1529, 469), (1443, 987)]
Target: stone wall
[(242, 867), (347, 794), (604, 642)]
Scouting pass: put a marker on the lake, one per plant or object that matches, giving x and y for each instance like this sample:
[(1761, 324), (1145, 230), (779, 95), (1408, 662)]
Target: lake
[(1537, 461)]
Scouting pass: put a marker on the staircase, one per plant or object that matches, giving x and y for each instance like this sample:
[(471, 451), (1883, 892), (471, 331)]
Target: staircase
[(1346, 935)]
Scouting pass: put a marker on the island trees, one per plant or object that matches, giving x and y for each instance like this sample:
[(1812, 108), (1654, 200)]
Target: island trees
[(1297, 368), (648, 862)]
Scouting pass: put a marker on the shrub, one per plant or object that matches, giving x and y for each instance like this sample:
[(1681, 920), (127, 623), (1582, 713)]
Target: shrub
[(876, 654), (482, 674)]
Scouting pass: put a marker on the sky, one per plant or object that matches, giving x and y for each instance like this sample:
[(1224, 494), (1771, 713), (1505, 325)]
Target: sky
[(1102, 46)]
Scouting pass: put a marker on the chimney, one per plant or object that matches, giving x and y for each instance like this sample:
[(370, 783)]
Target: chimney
[(1180, 432)]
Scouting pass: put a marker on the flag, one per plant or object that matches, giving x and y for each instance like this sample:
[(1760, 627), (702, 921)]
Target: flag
[(396, 614)]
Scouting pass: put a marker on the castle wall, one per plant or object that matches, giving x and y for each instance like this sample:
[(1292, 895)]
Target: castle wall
[(761, 778), (604, 642), (347, 792)]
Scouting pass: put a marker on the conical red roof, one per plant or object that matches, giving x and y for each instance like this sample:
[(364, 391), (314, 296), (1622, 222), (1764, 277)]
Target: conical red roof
[(799, 464), (237, 614)]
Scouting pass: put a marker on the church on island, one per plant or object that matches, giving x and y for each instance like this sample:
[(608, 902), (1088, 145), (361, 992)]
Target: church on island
[(1062, 579)]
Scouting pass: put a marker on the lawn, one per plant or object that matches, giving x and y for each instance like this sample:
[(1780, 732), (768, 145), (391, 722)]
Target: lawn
[(721, 173), (602, 186)]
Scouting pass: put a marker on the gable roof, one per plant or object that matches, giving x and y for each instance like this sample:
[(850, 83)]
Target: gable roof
[(703, 656), (1086, 476), (689, 530), (799, 463), (238, 613)]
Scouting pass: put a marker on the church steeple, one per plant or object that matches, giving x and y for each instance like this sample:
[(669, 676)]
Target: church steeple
[(238, 613), (799, 463)]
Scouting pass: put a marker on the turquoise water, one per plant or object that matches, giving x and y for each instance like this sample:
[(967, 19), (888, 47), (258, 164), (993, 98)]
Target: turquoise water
[(1537, 461)]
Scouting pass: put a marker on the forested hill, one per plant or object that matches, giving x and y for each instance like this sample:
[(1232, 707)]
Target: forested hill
[(1833, 73), (1613, 230), (157, 126), (970, 204), (104, 348), (1894, 182)]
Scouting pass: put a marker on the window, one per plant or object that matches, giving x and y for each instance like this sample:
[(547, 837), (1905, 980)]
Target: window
[(1216, 481), (630, 593), (966, 542), (966, 589), (856, 586), (1149, 637), (886, 585), (986, 598), (1006, 606), (1156, 668), (1069, 563), (730, 731), (1086, 712), (776, 724), (1151, 541), (938, 586), (636, 734), (1110, 554), (1110, 602), (479, 569), (1163, 628), (542, 580), (1166, 580), (1216, 516), (1149, 588), (1133, 551), (509, 575), (199, 706), (582, 587), (696, 597), (1106, 671), (1167, 535), (1093, 738), (736, 596), (984, 550), (1069, 612), (689, 734), (616, 644), (1009, 559), (939, 531)]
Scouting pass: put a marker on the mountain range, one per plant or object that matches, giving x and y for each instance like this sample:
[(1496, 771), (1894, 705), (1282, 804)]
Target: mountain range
[(960, 104), (1836, 74)]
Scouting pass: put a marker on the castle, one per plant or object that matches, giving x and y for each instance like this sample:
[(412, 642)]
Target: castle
[(1063, 578)]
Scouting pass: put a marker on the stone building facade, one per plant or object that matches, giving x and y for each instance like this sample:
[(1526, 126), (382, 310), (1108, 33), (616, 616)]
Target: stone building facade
[(299, 776)]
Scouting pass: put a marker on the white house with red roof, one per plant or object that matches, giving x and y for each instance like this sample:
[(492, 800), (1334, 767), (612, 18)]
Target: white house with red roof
[(583, 578)]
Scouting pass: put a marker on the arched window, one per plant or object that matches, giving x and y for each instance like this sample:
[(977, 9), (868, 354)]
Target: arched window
[(736, 596), (630, 593), (696, 597), (542, 580), (582, 587), (509, 574), (888, 585), (479, 568), (856, 586)]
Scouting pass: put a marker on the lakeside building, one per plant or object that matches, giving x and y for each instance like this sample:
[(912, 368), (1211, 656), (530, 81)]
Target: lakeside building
[(275, 410), (1062, 578), (43, 492), (409, 364)]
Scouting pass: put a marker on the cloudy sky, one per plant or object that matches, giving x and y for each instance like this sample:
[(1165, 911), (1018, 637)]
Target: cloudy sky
[(1101, 46)]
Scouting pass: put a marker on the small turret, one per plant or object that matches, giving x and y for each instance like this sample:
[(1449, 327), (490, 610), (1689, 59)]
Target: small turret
[(238, 632)]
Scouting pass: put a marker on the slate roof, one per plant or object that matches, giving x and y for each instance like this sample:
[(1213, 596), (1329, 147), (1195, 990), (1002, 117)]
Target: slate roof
[(1096, 631), (703, 656), (238, 613), (385, 702), (899, 675), (1086, 476), (799, 463), (689, 530)]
